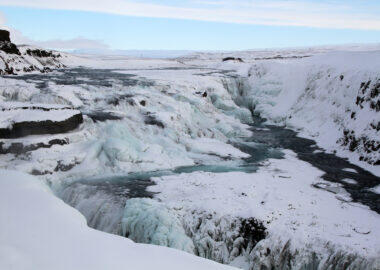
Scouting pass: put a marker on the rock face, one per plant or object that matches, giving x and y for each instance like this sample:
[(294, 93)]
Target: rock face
[(22, 129), (4, 36), (6, 45), (369, 146), (27, 119), (42, 53), (232, 59)]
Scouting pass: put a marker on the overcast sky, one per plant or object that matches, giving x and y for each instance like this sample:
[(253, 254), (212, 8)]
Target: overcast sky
[(191, 24)]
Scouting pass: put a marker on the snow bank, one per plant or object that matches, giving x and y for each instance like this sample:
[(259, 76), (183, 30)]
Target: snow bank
[(37, 230), (299, 218)]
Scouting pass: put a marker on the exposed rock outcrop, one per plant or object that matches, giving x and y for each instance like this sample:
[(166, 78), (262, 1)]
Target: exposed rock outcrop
[(20, 148), (232, 59), (6, 45), (22, 120), (22, 129), (4, 36), (42, 53)]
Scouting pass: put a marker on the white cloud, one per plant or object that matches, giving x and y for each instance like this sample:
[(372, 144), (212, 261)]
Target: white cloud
[(2, 19), (59, 44), (290, 13), (71, 44)]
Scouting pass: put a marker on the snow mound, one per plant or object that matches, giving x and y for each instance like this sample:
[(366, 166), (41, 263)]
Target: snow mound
[(39, 231)]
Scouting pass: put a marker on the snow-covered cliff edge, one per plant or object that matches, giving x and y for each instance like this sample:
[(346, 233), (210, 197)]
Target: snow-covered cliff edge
[(16, 59), (331, 97)]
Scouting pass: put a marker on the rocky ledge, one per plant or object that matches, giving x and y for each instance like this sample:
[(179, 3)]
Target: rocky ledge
[(24, 120)]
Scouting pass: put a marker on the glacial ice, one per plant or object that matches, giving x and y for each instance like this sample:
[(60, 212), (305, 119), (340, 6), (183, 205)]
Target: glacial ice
[(148, 221)]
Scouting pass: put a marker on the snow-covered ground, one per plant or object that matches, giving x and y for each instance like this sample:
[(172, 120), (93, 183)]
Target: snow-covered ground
[(282, 196), (142, 115), (39, 231)]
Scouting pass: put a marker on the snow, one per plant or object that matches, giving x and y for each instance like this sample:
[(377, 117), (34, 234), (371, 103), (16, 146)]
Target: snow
[(350, 181), (37, 230), (212, 146), (350, 170), (317, 96), (195, 131), (376, 189), (166, 122), (25, 63), (281, 195), (19, 105)]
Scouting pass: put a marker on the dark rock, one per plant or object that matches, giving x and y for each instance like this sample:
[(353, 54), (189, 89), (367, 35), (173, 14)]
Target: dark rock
[(253, 231), (37, 172), (232, 59), (5, 36), (116, 100), (6, 45), (143, 103), (42, 53), (34, 107), (22, 129), (204, 94), (341, 77), (9, 47), (20, 148), (151, 120), (99, 116), (64, 167)]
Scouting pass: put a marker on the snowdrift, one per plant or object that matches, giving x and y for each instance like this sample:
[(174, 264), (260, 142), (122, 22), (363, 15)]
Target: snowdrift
[(39, 231)]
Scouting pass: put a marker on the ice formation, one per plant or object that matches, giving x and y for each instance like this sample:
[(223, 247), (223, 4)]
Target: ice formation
[(148, 221)]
